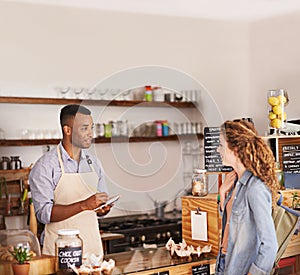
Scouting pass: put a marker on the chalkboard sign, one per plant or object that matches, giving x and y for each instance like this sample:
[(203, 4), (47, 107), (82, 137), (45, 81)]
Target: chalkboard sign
[(212, 159), (161, 273), (291, 159), (201, 270)]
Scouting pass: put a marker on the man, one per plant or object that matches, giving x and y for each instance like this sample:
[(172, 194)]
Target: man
[(67, 184)]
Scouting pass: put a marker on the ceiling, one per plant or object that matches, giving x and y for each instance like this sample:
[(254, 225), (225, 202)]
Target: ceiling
[(212, 9)]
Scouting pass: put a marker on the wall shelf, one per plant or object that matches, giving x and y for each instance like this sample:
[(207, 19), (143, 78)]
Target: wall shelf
[(91, 102), (32, 142)]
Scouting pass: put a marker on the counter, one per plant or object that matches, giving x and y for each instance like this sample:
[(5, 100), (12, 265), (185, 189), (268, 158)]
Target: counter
[(152, 261)]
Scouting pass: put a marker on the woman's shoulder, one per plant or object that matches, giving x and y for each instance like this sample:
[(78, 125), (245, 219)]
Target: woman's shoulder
[(257, 186)]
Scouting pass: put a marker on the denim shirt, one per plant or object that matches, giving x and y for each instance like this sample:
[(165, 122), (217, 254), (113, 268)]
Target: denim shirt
[(252, 243)]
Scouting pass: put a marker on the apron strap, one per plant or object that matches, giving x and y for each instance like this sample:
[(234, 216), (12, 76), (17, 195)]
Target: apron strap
[(90, 163), (60, 160)]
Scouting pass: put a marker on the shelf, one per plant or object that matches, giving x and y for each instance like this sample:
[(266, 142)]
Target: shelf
[(11, 175), (33, 142), (119, 103)]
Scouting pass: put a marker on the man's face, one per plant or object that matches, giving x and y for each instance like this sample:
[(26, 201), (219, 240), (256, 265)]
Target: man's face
[(82, 131)]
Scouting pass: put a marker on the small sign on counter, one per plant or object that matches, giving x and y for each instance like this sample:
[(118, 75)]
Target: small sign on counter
[(201, 270), (199, 225), (161, 273)]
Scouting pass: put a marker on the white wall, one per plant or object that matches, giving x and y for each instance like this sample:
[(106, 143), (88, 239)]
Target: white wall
[(43, 47)]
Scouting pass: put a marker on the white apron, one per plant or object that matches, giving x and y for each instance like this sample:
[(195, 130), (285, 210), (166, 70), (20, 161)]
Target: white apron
[(74, 187)]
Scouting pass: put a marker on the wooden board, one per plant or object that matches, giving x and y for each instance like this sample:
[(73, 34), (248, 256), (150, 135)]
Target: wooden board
[(209, 205)]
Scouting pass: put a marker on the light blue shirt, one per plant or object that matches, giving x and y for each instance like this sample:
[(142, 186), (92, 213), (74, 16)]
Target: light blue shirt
[(46, 173), (252, 243)]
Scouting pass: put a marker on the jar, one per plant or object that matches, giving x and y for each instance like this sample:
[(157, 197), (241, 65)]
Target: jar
[(17, 163), (277, 101), (68, 247), (199, 183), (158, 128), (13, 163), (5, 163), (99, 130), (165, 128), (148, 93)]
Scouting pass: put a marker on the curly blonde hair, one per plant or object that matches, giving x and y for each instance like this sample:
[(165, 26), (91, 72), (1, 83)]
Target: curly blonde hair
[(253, 152)]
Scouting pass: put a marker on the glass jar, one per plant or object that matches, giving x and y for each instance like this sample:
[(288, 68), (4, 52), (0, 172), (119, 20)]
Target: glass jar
[(199, 183), (277, 101), (68, 247)]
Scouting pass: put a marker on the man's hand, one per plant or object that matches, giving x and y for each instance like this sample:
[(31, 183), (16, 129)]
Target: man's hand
[(62, 212), (94, 201), (104, 210)]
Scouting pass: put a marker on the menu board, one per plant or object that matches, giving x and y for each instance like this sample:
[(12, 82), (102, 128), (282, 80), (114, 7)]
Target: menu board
[(291, 159), (201, 270), (291, 166), (212, 159)]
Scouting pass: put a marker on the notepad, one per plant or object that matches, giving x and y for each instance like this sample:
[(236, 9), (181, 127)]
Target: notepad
[(199, 225)]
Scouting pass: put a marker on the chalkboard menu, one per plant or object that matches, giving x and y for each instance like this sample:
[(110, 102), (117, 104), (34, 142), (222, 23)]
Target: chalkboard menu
[(161, 273), (212, 159), (201, 270), (291, 159)]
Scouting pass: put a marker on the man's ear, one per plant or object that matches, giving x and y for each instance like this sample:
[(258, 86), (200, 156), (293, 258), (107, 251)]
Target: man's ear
[(67, 130)]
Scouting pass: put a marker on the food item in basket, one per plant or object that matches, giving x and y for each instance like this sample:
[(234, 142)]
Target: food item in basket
[(183, 250), (206, 248), (93, 265)]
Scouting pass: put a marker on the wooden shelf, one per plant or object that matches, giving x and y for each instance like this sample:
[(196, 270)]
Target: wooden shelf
[(119, 103), (12, 175), (33, 142)]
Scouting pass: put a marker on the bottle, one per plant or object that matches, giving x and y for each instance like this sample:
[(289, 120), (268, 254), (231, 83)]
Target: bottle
[(68, 248), (32, 219), (199, 183), (8, 205), (148, 93), (165, 128), (158, 128)]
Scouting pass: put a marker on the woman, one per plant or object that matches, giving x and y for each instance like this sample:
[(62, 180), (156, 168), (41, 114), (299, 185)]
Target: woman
[(247, 195)]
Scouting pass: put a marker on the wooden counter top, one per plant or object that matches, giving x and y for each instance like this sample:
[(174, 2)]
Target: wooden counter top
[(143, 261)]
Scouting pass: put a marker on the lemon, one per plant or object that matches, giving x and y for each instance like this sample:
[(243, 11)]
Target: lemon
[(277, 110), (271, 115), (276, 123), (284, 116), (282, 99), (273, 101)]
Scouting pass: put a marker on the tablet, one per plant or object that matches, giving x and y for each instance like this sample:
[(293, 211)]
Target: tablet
[(111, 200)]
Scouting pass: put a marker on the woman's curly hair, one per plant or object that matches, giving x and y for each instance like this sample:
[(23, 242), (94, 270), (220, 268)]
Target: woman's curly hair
[(253, 152)]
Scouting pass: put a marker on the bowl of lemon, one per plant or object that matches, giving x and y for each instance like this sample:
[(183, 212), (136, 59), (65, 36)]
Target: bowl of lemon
[(277, 101)]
